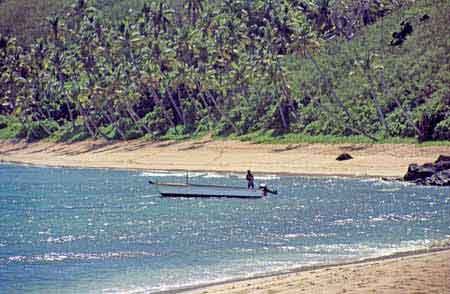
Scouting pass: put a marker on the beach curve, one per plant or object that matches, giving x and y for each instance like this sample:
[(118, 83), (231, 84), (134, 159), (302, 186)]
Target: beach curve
[(370, 160)]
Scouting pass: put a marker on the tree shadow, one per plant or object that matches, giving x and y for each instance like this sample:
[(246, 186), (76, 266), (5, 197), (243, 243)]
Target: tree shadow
[(167, 144), (352, 148), (195, 145), (137, 146), (202, 142), (192, 147), (92, 148), (287, 148), (9, 150)]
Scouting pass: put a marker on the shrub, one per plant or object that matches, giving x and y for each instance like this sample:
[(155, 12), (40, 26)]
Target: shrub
[(11, 128), (70, 133), (37, 130), (157, 122), (442, 130), (398, 125)]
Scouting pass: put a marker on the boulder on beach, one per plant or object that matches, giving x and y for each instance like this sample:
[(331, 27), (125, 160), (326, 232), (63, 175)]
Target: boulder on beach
[(344, 156), (430, 174)]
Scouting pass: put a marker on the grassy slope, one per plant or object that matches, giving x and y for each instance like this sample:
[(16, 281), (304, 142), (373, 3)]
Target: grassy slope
[(416, 73)]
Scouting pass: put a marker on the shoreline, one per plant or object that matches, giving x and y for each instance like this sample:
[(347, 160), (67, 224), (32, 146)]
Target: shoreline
[(220, 286), (388, 161), (221, 172)]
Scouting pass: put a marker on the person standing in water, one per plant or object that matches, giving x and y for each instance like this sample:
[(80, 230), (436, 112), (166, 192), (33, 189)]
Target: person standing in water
[(250, 180)]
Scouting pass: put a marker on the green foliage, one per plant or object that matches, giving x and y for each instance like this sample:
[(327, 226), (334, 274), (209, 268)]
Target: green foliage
[(133, 133), (398, 125), (178, 133), (111, 132), (27, 19), (269, 138), (157, 122), (442, 130), (11, 128), (70, 133), (38, 130)]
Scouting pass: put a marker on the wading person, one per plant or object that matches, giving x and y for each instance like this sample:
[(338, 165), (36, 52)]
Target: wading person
[(250, 180)]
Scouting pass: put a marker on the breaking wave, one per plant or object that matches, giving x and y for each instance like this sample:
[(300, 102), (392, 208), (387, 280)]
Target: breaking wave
[(71, 256), (207, 175)]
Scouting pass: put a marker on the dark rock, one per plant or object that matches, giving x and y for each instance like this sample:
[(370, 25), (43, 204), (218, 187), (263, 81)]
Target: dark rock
[(400, 37), (441, 178), (424, 17), (442, 158), (430, 174), (442, 165), (3, 125), (416, 171), (344, 156)]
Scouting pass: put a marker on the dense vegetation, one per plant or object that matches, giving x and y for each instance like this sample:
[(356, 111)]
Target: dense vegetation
[(26, 20), (232, 68)]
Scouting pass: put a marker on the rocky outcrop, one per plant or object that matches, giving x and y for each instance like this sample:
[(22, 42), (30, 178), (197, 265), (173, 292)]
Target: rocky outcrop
[(430, 174)]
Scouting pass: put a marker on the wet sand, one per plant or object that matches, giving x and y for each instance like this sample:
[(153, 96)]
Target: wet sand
[(412, 273), (378, 160)]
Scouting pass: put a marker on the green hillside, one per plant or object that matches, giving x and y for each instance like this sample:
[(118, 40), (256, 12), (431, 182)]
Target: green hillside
[(266, 69)]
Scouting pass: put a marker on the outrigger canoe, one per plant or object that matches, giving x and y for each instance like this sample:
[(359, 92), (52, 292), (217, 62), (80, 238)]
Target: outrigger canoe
[(197, 190)]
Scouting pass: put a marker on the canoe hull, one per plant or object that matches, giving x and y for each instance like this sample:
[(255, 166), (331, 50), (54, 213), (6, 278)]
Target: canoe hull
[(191, 190)]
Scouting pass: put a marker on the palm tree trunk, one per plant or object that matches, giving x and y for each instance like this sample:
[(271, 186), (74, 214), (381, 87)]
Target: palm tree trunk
[(86, 120), (66, 101), (163, 109), (113, 122), (175, 106), (407, 117), (373, 95), (339, 101), (222, 113), (136, 118), (283, 118)]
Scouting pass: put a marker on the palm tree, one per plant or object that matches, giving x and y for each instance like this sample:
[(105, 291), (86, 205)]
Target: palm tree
[(194, 9)]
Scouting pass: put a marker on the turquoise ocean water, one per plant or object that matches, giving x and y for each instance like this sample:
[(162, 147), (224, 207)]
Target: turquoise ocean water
[(108, 231)]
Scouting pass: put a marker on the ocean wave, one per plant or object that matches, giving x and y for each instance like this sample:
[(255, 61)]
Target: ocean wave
[(156, 174), (396, 218), (66, 239), (366, 250), (343, 222), (289, 249), (213, 175), (309, 235), (71, 256), (387, 190), (207, 175), (383, 182)]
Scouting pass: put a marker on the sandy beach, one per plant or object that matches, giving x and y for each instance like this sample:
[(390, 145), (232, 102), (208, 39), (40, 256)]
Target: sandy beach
[(380, 160), (416, 273)]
